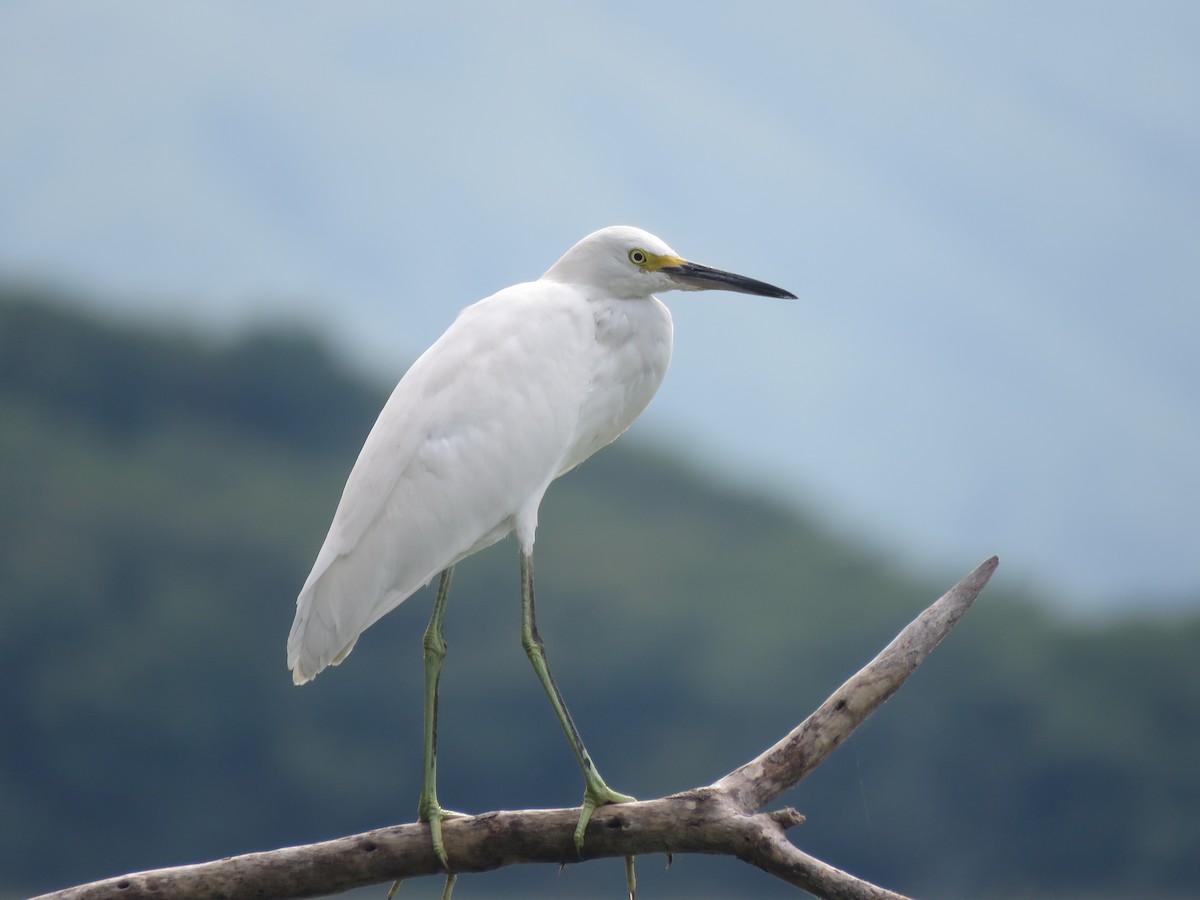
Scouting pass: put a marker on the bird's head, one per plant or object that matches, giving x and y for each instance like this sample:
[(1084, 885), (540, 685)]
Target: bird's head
[(627, 262)]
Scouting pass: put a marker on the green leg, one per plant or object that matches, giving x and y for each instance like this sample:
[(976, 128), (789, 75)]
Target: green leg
[(596, 792), (428, 809)]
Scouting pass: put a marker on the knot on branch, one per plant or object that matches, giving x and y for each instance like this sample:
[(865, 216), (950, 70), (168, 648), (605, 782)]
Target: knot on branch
[(788, 817)]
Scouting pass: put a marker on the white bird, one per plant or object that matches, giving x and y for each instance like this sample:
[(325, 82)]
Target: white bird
[(523, 386)]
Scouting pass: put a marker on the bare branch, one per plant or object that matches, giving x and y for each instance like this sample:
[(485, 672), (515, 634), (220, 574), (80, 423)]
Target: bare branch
[(692, 822), (781, 858), (721, 818), (779, 768)]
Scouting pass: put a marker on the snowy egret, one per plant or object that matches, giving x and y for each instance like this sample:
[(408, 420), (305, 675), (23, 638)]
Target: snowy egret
[(523, 386)]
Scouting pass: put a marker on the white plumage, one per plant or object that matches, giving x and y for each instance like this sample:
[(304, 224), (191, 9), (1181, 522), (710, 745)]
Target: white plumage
[(522, 387)]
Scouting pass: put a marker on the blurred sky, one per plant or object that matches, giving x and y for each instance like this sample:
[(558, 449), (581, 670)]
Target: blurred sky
[(991, 214)]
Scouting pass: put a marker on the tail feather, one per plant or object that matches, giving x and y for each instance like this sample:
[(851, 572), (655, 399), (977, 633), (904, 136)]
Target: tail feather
[(338, 603), (323, 633)]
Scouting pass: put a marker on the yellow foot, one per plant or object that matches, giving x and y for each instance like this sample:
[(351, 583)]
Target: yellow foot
[(597, 795), (435, 815)]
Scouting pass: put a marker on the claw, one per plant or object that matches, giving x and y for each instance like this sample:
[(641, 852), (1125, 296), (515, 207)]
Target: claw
[(595, 795), (435, 815)]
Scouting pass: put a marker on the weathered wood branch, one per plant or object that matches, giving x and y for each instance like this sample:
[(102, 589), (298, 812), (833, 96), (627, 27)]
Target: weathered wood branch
[(724, 817)]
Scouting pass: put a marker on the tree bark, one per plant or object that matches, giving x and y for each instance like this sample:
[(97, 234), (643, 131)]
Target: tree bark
[(724, 817)]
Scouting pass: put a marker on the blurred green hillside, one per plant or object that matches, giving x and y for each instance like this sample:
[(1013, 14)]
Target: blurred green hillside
[(162, 496)]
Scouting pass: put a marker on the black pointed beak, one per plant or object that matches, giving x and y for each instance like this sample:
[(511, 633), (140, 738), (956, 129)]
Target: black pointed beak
[(692, 276)]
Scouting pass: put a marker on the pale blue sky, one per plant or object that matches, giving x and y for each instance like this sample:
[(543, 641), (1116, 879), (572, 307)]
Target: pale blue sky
[(990, 212)]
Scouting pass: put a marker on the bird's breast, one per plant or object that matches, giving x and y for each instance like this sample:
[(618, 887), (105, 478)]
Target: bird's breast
[(628, 361)]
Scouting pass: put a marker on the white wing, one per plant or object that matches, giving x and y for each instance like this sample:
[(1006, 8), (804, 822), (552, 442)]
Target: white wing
[(471, 436)]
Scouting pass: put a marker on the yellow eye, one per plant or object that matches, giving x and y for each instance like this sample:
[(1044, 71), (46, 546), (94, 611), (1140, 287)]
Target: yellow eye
[(638, 256)]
